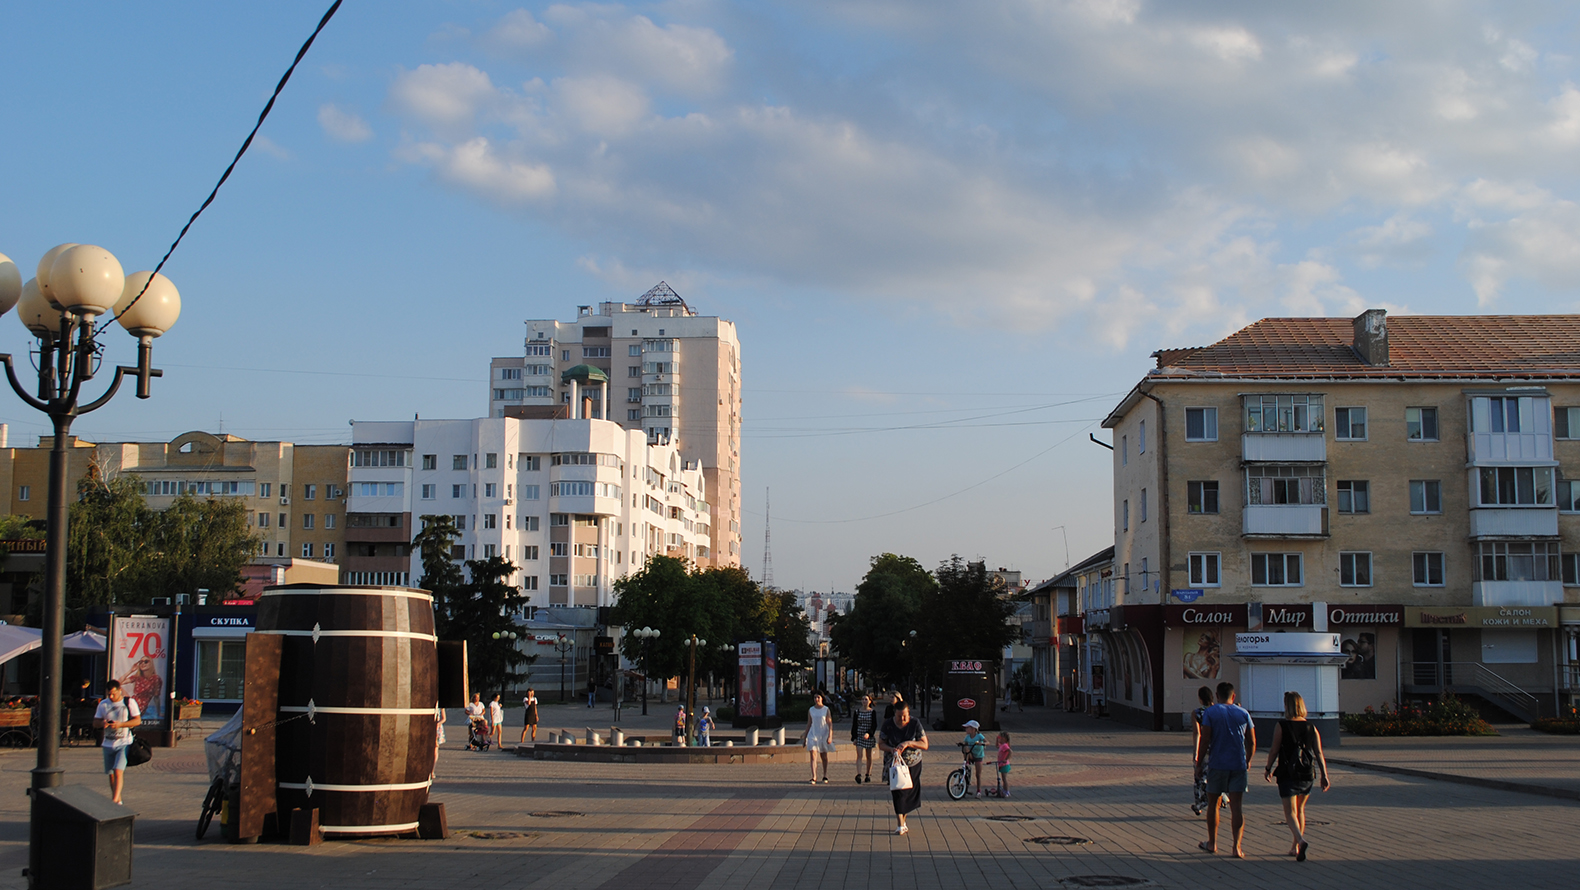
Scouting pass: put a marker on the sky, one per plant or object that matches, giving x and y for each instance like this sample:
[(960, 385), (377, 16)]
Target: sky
[(950, 234)]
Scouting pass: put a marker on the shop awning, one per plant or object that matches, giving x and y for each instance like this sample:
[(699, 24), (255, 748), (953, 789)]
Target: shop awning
[(16, 640)]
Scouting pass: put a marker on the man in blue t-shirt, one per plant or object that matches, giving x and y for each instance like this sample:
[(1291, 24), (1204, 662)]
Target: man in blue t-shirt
[(1227, 744)]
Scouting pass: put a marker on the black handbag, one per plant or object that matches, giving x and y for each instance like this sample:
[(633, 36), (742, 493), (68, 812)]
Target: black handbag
[(138, 752)]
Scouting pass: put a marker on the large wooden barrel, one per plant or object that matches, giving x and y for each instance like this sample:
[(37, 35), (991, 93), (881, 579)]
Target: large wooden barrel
[(359, 673)]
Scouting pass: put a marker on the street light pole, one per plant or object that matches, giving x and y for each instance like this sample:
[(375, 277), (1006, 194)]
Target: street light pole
[(75, 284), (646, 635), (691, 689), (563, 645)]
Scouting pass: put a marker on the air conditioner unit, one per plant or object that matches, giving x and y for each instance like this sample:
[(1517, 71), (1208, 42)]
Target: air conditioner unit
[(159, 601), (285, 500), (509, 501), (183, 599)]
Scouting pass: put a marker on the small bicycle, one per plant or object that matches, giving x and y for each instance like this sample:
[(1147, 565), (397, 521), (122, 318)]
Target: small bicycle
[(959, 782)]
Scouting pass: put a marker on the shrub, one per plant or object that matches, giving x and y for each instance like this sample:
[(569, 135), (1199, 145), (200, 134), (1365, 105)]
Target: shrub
[(725, 712), (1567, 723), (1446, 716)]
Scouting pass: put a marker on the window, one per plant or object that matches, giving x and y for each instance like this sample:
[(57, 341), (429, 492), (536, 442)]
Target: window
[(1566, 423), (1201, 497), (633, 414), (430, 461), (1571, 564), (1503, 414), (25, 493), (488, 551), (531, 462), (279, 549), (527, 523), (529, 552), (460, 522), (559, 519), (1568, 496), (307, 520), (380, 489), (264, 489), (530, 492), (1426, 496), (1428, 568), (633, 371), (1141, 438), (556, 580), (491, 461), (509, 373), (1201, 424), (1126, 525), (1513, 561), (458, 491), (595, 352), (329, 520), (1420, 424), (1285, 484), (263, 520), (1124, 451), (1516, 486), (565, 355), (1354, 496), (539, 370), (329, 551), (538, 392), (542, 349), (633, 394), (1355, 569), (559, 548), (490, 489), (1143, 505), (1349, 423), (529, 582), (309, 492), (513, 393), (458, 462), (427, 492), (1204, 570), (221, 665), (282, 522), (634, 350), (1276, 569), (1283, 413), (490, 520), (307, 550)]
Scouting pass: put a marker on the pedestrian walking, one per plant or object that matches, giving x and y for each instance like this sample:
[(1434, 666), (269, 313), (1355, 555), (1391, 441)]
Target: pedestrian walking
[(678, 734), (895, 700), (496, 718), (1002, 766), (592, 692), (1295, 759), (1199, 791), (819, 737), (530, 705), (864, 735), (117, 714), (705, 728), (1226, 747), (904, 739)]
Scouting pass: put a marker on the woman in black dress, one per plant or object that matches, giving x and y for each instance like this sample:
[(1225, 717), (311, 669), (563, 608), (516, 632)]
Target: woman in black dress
[(904, 738), (864, 735), (1295, 760)]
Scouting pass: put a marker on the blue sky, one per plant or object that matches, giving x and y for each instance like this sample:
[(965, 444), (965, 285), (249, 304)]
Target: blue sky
[(950, 234)]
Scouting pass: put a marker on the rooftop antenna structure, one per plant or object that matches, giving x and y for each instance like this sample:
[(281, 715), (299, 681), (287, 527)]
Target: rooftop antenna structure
[(768, 540), (662, 294)]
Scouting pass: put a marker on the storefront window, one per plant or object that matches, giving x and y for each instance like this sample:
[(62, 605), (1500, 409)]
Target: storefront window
[(221, 665)]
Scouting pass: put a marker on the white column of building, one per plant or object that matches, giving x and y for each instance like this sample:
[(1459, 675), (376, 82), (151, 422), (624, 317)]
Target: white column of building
[(603, 544), (603, 389), (576, 402)]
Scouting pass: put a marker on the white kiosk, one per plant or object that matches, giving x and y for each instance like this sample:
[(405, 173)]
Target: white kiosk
[(1272, 663)]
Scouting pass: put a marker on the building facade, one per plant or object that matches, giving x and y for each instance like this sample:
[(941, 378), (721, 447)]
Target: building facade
[(1403, 482), (575, 504), (672, 374)]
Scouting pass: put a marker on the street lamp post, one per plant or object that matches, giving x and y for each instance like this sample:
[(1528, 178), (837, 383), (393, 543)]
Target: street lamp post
[(646, 635), (508, 636), (76, 283), (563, 644), (691, 690), (725, 649)]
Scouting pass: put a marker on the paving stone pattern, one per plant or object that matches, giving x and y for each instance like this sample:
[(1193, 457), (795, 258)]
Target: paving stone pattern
[(679, 827)]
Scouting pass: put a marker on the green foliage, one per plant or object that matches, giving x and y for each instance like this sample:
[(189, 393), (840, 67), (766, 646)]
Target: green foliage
[(17, 527), (874, 636), (790, 628), (1566, 723), (441, 576), (965, 616), (476, 611), (670, 599), (1446, 716), (121, 551)]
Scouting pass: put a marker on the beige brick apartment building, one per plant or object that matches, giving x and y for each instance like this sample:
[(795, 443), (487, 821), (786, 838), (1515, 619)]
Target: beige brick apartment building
[(1404, 482)]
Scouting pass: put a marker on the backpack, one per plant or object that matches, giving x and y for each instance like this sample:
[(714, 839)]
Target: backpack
[(1301, 766)]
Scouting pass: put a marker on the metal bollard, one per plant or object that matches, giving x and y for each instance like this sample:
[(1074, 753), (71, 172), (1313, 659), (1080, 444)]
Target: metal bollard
[(729, 743), (751, 736), (616, 736), (593, 738), (779, 736)]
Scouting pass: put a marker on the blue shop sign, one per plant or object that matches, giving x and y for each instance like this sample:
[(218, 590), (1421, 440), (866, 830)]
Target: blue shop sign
[(1188, 594)]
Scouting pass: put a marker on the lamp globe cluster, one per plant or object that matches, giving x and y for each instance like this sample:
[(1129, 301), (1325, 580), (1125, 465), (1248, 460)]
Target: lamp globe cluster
[(85, 281)]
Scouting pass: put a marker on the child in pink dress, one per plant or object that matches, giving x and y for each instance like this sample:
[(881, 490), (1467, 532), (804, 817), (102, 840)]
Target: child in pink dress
[(1003, 764)]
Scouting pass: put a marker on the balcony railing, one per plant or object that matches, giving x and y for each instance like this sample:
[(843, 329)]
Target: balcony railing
[(1285, 520), (1284, 446), (1516, 593), (1476, 678), (1514, 522)]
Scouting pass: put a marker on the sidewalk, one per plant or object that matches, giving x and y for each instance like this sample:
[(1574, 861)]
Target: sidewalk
[(1518, 759)]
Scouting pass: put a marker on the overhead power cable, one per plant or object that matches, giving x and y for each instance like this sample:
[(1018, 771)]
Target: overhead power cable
[(269, 106)]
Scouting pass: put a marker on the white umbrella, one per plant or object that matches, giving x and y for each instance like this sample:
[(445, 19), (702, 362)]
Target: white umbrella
[(84, 642), (16, 640)]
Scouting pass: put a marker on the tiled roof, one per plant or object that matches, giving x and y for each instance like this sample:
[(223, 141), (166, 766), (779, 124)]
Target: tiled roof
[(1418, 345)]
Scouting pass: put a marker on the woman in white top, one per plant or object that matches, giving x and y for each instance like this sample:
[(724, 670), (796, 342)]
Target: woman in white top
[(496, 716), (819, 738)]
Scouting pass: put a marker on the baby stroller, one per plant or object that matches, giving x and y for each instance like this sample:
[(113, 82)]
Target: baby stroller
[(479, 736)]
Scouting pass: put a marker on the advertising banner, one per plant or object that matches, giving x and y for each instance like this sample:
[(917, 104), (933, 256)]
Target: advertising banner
[(140, 659), (1202, 654), (749, 679), (770, 681)]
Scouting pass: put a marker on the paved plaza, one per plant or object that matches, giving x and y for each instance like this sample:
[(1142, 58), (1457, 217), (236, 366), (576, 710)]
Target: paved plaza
[(519, 822)]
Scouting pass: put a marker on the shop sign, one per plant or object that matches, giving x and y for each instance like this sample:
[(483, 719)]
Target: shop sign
[(604, 645), (1365, 616), (1207, 615), (1482, 616), (965, 667), (23, 545), (1286, 644), (1187, 595), (228, 622)]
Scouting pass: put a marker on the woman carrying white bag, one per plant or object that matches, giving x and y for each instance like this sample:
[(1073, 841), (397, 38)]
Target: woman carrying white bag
[(904, 737)]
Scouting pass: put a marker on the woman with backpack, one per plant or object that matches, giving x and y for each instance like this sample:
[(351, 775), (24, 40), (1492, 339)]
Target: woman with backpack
[(1295, 760)]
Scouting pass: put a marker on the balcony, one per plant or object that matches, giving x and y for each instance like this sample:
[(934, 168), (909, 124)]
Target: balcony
[(1516, 593), (1284, 446), (1514, 522), (1510, 448), (1286, 520)]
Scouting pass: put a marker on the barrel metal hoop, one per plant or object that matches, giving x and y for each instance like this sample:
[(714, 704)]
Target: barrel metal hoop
[(407, 786), (412, 594), (367, 829), (315, 634), (323, 709)]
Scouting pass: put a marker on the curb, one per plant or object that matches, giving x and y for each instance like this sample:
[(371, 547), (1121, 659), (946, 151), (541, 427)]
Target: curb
[(1496, 784)]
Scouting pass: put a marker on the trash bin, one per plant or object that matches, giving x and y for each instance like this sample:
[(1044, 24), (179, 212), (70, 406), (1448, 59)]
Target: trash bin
[(85, 841)]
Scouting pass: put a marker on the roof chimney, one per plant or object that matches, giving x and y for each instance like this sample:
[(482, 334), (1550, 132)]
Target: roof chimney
[(1371, 337)]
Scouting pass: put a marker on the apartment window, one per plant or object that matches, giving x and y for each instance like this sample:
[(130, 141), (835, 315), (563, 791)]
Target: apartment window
[(380, 489), (1420, 424), (1568, 496), (1201, 424), (263, 520), (430, 461), (509, 373), (595, 352), (1354, 496), (539, 349), (428, 492), (488, 551), (1516, 486), (1428, 568), (1571, 569), (531, 462), (307, 550), (633, 394), (1124, 451), (1201, 497), (490, 489), (264, 488), (1566, 423), (329, 551), (458, 491), (1285, 484), (1283, 413), (460, 522), (530, 492), (24, 493), (1276, 569), (529, 552), (1426, 496), (307, 520), (559, 519), (1355, 569), (458, 462), (527, 523), (1126, 525), (633, 414), (279, 549), (282, 520), (1141, 438), (1143, 505), (1204, 570), (1349, 424), (634, 350), (1503, 414), (557, 581), (565, 355), (512, 393), (559, 548), (1515, 561), (529, 582), (309, 492), (633, 371), (329, 520), (537, 392)]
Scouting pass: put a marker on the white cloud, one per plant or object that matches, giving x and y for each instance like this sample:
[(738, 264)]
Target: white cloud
[(477, 167), (443, 96), (342, 125), (603, 106), (518, 30)]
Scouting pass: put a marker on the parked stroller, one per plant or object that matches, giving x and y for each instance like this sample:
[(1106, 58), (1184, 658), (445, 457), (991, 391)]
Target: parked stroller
[(479, 735)]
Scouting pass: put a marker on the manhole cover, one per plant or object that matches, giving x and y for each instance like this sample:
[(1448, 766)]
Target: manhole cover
[(554, 814), (1012, 818), (501, 835), (1061, 840), (1103, 881)]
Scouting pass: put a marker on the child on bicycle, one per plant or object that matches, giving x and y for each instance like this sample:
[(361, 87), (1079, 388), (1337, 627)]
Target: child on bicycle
[(1004, 754), (976, 749)]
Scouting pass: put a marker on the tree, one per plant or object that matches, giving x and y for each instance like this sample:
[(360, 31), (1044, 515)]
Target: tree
[(666, 597), (741, 611), (440, 574), (965, 616), (791, 629), (874, 635), (479, 612)]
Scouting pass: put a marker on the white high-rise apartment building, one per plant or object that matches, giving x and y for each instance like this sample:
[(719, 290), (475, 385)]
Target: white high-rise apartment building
[(575, 503), (673, 374)]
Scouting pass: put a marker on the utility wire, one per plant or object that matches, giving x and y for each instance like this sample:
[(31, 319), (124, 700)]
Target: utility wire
[(226, 175)]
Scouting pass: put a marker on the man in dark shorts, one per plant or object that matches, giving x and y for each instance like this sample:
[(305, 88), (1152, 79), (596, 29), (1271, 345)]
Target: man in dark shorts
[(1227, 744)]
